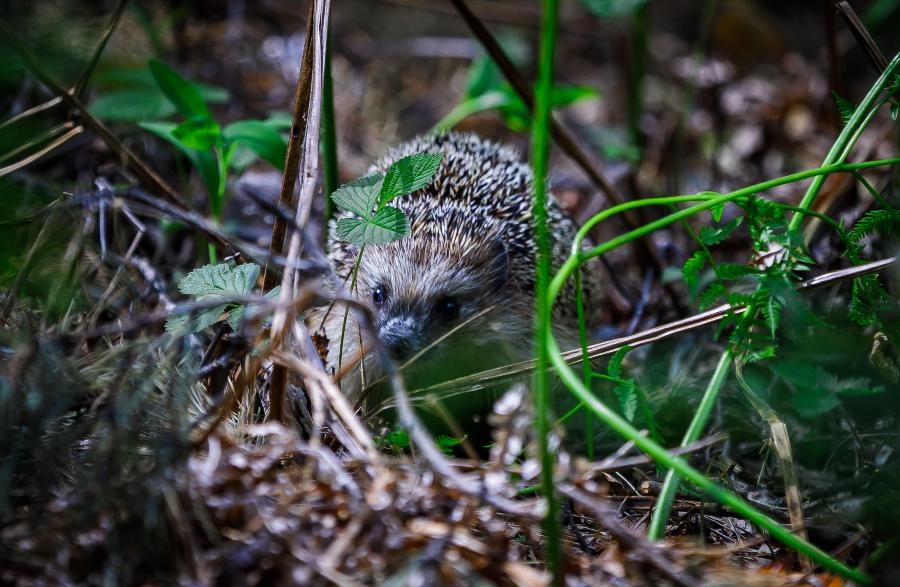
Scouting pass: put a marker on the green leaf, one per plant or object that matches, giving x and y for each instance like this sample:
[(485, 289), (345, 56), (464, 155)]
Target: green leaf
[(711, 295), (262, 138), (811, 403), (387, 225), (132, 106), (198, 132), (628, 400), (771, 311), (565, 95), (691, 269), (223, 280), (845, 107), (713, 235), (875, 221), (187, 322), (446, 443), (409, 174), (614, 368), (236, 313), (359, 196), (733, 270), (717, 210), (203, 161), (470, 106), (184, 95)]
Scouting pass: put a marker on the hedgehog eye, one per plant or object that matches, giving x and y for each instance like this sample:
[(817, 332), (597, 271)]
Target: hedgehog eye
[(378, 296), (448, 309)]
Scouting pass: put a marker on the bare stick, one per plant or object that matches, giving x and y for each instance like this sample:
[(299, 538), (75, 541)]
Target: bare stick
[(304, 203), (295, 146)]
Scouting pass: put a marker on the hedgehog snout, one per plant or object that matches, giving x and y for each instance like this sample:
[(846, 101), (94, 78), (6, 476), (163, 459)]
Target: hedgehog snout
[(401, 335)]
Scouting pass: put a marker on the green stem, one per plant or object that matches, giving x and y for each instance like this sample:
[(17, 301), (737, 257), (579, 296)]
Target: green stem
[(707, 202), (849, 135), (347, 309), (657, 529), (585, 363), (539, 160), (683, 469), (678, 466), (837, 154), (329, 138)]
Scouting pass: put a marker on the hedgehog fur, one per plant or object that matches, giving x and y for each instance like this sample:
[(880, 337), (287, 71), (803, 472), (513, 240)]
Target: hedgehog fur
[(471, 247)]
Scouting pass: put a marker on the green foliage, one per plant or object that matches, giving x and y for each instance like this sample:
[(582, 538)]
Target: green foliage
[(713, 235), (156, 94), (367, 198), (210, 282), (446, 443), (845, 107), (487, 89), (408, 175)]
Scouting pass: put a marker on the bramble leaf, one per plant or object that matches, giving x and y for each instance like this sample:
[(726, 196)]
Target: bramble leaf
[(387, 225), (359, 196), (223, 280), (409, 174), (711, 295), (198, 320)]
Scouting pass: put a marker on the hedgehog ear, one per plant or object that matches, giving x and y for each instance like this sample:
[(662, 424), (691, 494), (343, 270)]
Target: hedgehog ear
[(498, 265)]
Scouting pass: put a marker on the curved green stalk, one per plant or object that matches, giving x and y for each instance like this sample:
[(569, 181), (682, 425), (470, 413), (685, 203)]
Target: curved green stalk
[(657, 529), (836, 155), (540, 142), (848, 137), (682, 468), (619, 425)]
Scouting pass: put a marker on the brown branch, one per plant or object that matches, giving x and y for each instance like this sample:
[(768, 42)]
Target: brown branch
[(143, 172), (295, 146), (318, 27)]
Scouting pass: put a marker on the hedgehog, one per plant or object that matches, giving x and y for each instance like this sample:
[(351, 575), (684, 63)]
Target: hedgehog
[(466, 268)]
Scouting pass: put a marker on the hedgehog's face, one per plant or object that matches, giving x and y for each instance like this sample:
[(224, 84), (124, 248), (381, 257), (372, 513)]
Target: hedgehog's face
[(422, 288)]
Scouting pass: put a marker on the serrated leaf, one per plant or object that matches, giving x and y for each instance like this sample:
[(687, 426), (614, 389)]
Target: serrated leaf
[(261, 137), (733, 270), (844, 106), (691, 269), (409, 174), (711, 295), (187, 322), (614, 368), (717, 210), (198, 132), (811, 403), (359, 196), (221, 280), (628, 400), (236, 313), (771, 311), (713, 235), (184, 95), (387, 225)]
